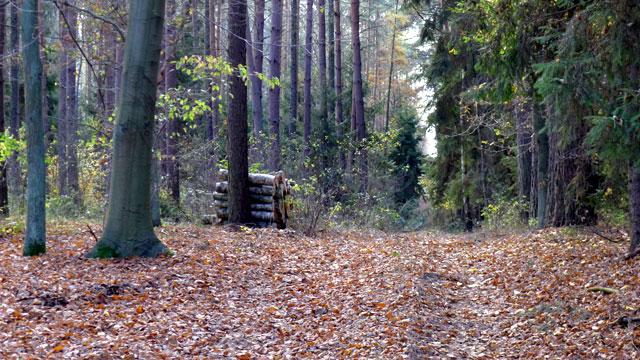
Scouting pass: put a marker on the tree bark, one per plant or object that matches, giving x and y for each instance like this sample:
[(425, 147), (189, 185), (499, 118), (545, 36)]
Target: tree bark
[(258, 60), (274, 91), (338, 85), (358, 95), (634, 207), (295, 10), (237, 144), (331, 59), (14, 175), (4, 191), (542, 144), (391, 63), (172, 162), (71, 112), (522, 113), (34, 242), (129, 228), (322, 67), (308, 52)]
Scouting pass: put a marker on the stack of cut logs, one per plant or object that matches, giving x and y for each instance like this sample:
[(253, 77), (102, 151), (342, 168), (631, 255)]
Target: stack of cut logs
[(268, 198)]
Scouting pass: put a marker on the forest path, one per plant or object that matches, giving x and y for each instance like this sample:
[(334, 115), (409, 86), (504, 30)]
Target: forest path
[(266, 294), (526, 296)]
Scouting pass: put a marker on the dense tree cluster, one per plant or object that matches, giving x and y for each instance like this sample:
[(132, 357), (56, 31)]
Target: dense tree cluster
[(535, 99)]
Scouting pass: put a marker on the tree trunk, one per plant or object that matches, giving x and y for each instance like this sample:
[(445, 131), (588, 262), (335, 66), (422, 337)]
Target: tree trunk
[(331, 59), (34, 242), (522, 113), (542, 142), (258, 60), (4, 191), (391, 63), (338, 85), (358, 95), (274, 91), (634, 207), (71, 112), (237, 144), (295, 10), (129, 228), (172, 162), (308, 52), (322, 68), (15, 188)]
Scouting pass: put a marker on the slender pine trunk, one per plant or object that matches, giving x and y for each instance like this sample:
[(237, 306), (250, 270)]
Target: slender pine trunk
[(14, 175), (308, 52), (338, 86), (358, 95), (237, 138), (274, 91), (4, 190), (258, 61), (295, 10)]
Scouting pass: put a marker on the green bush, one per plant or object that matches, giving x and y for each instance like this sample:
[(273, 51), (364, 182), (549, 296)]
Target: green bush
[(505, 215)]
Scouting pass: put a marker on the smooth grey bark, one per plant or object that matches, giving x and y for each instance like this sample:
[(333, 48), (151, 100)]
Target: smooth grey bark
[(338, 85), (308, 52), (34, 241), (14, 172), (129, 228), (358, 95), (294, 28), (237, 137), (4, 191), (258, 61), (274, 91)]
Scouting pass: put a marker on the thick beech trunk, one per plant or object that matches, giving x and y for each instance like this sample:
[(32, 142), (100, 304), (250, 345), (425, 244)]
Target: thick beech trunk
[(274, 91), (34, 242), (237, 139), (129, 229)]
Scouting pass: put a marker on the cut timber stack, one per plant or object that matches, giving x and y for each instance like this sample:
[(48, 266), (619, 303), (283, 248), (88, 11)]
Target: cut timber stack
[(268, 195)]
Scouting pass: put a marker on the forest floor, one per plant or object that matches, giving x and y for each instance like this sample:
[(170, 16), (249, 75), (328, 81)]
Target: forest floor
[(253, 294)]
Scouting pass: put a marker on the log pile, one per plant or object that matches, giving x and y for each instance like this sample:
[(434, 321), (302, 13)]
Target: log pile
[(268, 195)]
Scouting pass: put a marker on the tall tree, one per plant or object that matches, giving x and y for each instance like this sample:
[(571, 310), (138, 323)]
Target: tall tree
[(358, 95), (258, 61), (4, 192), (274, 91), (322, 65), (172, 163), (308, 52), (129, 229), (237, 139), (14, 116), (34, 242), (338, 84), (295, 10), (331, 58), (391, 62)]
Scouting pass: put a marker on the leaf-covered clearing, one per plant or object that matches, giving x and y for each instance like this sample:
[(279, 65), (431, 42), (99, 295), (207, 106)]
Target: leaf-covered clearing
[(252, 294)]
